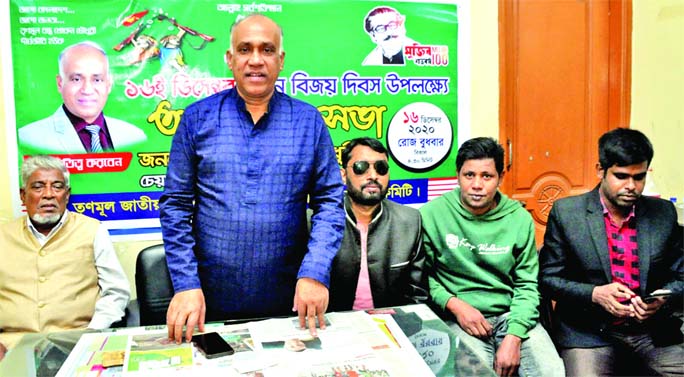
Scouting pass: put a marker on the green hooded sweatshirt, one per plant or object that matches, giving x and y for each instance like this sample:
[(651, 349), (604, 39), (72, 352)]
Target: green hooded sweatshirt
[(489, 261)]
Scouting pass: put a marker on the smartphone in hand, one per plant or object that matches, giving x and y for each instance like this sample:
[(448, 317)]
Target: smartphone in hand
[(657, 293), (212, 345)]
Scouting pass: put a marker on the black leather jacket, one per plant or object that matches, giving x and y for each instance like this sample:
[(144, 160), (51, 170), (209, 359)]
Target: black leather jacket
[(395, 259)]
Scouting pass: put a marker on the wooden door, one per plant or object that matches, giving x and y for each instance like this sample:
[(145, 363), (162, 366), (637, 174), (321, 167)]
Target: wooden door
[(564, 67)]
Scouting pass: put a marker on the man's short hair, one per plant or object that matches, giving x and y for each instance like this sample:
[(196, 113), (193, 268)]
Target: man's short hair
[(624, 146), (480, 148), (376, 11), (34, 163), (241, 18), (60, 58), (367, 141)]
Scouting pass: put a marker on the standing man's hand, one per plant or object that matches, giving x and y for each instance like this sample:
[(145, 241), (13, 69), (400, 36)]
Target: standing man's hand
[(186, 308), (310, 301), (469, 318), (507, 358), (3, 351), (611, 296)]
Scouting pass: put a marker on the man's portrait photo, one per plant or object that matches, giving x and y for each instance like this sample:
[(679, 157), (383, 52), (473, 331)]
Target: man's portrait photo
[(79, 125), (386, 28)]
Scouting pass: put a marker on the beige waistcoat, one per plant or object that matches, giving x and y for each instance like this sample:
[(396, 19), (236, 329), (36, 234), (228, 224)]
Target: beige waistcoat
[(47, 288)]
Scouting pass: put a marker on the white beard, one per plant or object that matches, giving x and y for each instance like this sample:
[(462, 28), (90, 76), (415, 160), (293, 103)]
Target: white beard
[(46, 220)]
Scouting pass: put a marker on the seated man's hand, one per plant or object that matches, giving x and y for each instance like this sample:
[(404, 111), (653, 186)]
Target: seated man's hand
[(186, 308), (469, 318), (310, 301), (3, 351), (644, 310), (507, 358), (611, 296)]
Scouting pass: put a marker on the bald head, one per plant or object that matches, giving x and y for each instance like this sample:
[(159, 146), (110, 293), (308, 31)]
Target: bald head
[(255, 18), (78, 49)]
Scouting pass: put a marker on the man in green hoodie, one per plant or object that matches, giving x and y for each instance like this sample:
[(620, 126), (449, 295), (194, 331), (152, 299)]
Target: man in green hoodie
[(482, 266)]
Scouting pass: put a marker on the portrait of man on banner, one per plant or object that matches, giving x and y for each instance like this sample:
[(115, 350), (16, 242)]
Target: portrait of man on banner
[(79, 125), (387, 29)]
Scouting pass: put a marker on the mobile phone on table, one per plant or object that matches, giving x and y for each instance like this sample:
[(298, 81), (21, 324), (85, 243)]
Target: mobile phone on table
[(212, 345), (657, 293)]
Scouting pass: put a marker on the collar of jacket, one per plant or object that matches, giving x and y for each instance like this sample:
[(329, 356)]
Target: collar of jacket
[(350, 213)]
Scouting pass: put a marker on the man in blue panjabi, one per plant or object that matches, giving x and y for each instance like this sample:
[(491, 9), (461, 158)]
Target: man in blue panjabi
[(242, 166)]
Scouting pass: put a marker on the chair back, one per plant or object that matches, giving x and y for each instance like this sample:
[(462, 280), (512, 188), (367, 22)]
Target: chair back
[(153, 285)]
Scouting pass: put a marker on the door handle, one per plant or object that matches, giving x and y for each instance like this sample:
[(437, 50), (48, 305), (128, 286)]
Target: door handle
[(510, 154)]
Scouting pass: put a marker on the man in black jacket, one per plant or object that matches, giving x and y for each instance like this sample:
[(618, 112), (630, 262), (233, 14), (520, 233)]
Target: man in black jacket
[(604, 253), (381, 260)]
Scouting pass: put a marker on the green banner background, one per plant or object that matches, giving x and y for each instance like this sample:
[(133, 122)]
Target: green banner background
[(322, 39)]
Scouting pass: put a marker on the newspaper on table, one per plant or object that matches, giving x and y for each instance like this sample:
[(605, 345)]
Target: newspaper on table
[(352, 344)]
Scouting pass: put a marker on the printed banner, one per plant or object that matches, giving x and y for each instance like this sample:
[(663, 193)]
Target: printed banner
[(386, 70)]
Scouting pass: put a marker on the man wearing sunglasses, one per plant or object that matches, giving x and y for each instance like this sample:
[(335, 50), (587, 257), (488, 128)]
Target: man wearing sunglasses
[(381, 260), (385, 26), (482, 266)]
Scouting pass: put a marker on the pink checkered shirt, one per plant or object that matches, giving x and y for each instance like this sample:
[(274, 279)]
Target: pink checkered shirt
[(622, 248)]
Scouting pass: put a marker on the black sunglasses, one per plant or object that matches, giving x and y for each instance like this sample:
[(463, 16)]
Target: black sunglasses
[(360, 167)]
